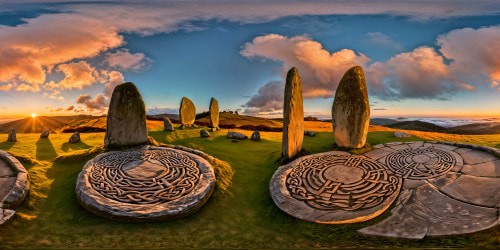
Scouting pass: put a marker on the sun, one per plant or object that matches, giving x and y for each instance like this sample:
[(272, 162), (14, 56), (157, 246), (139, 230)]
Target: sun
[(33, 115)]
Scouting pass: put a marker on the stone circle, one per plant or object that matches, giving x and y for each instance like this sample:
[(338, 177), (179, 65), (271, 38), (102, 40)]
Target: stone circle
[(14, 185), (334, 187), (145, 184), (421, 163)]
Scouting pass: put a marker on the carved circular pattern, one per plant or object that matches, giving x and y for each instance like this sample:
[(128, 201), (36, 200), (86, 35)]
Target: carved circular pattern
[(144, 177), (341, 182), (420, 163)]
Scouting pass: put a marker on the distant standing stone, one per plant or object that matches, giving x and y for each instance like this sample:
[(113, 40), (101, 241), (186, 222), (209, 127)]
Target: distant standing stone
[(187, 112), (167, 125), (255, 136), (401, 135), (236, 135), (75, 137), (45, 134), (204, 133), (309, 133), (214, 113), (12, 136), (351, 110), (126, 123), (293, 112)]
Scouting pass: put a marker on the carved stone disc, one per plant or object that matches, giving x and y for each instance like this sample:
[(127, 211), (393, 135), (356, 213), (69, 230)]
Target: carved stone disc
[(151, 183)]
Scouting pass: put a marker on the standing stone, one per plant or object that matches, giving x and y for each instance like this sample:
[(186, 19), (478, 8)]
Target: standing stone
[(75, 137), (214, 113), (126, 124), (351, 110), (255, 136), (12, 136), (45, 134), (187, 112), (167, 125), (293, 114)]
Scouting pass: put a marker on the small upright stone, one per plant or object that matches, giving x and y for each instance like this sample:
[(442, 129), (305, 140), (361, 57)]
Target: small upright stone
[(12, 136), (204, 133), (309, 133), (293, 114), (255, 136), (214, 113), (75, 137), (167, 125), (45, 134), (351, 110), (400, 134), (126, 123), (187, 112)]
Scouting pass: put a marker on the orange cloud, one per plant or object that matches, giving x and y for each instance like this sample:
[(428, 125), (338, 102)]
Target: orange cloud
[(124, 60), (77, 75)]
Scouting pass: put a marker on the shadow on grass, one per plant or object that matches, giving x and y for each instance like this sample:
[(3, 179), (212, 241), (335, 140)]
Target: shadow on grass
[(74, 146), (45, 151), (6, 145)]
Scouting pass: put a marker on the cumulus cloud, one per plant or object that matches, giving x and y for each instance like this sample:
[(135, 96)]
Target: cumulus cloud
[(268, 98), (98, 104), (124, 60), (77, 75)]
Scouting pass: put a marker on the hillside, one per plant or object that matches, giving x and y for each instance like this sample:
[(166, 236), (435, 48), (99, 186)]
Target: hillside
[(477, 129), (39, 123), (418, 125)]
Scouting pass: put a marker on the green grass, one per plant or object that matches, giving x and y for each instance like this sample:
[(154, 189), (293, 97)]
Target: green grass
[(245, 218)]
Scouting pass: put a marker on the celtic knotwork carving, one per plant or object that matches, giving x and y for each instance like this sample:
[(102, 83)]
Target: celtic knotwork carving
[(420, 163), (332, 182), (168, 175)]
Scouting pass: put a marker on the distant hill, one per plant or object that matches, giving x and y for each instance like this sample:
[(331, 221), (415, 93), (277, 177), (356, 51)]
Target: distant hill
[(418, 125), (39, 123), (382, 121), (242, 120), (477, 129)]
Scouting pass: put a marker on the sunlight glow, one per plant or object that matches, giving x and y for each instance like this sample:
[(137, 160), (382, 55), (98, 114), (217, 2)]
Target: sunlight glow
[(33, 115)]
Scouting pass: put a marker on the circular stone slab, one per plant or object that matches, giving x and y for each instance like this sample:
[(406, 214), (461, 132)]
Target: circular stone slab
[(147, 184), (421, 163), (333, 188), (14, 185)]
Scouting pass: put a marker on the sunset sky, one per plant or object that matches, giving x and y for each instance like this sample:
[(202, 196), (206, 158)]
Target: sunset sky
[(421, 58)]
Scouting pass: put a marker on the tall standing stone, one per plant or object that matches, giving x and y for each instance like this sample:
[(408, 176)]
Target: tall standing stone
[(351, 110), (126, 124), (167, 124), (187, 112), (293, 114), (214, 113), (12, 136)]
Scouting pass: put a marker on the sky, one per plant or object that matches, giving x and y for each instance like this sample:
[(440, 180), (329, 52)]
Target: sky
[(420, 58)]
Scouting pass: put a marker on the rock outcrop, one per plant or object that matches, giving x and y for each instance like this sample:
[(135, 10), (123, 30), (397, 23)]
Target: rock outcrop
[(351, 110), (293, 114), (236, 135)]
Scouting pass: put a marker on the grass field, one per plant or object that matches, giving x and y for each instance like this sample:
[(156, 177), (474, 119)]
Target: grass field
[(244, 218)]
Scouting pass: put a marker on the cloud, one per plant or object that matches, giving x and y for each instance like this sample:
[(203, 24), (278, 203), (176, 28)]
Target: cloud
[(99, 104), (77, 75), (111, 79), (320, 70), (383, 40), (54, 95), (268, 98), (70, 108), (124, 60)]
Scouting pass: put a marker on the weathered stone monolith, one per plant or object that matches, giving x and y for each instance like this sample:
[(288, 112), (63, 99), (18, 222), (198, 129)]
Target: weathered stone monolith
[(126, 124), (12, 136), (45, 133), (74, 138), (167, 124), (351, 110), (293, 114), (187, 112), (214, 113)]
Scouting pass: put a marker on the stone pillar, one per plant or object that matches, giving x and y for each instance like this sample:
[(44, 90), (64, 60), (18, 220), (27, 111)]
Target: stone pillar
[(187, 112), (351, 110), (12, 136), (293, 114), (167, 124), (214, 113), (126, 121)]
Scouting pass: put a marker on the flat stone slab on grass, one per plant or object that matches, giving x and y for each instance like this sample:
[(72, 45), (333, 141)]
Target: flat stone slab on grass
[(145, 184), (14, 185), (458, 189), (333, 188)]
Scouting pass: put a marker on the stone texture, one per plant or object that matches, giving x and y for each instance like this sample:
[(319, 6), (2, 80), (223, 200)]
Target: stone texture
[(334, 188), (12, 136), (309, 133), (5, 215), (148, 192), (74, 138), (45, 134), (187, 112), (214, 113), (429, 212), (255, 136), (167, 124), (126, 121), (293, 115), (204, 133), (481, 191), (14, 185), (475, 157), (400, 134), (236, 135), (351, 110), (486, 169)]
